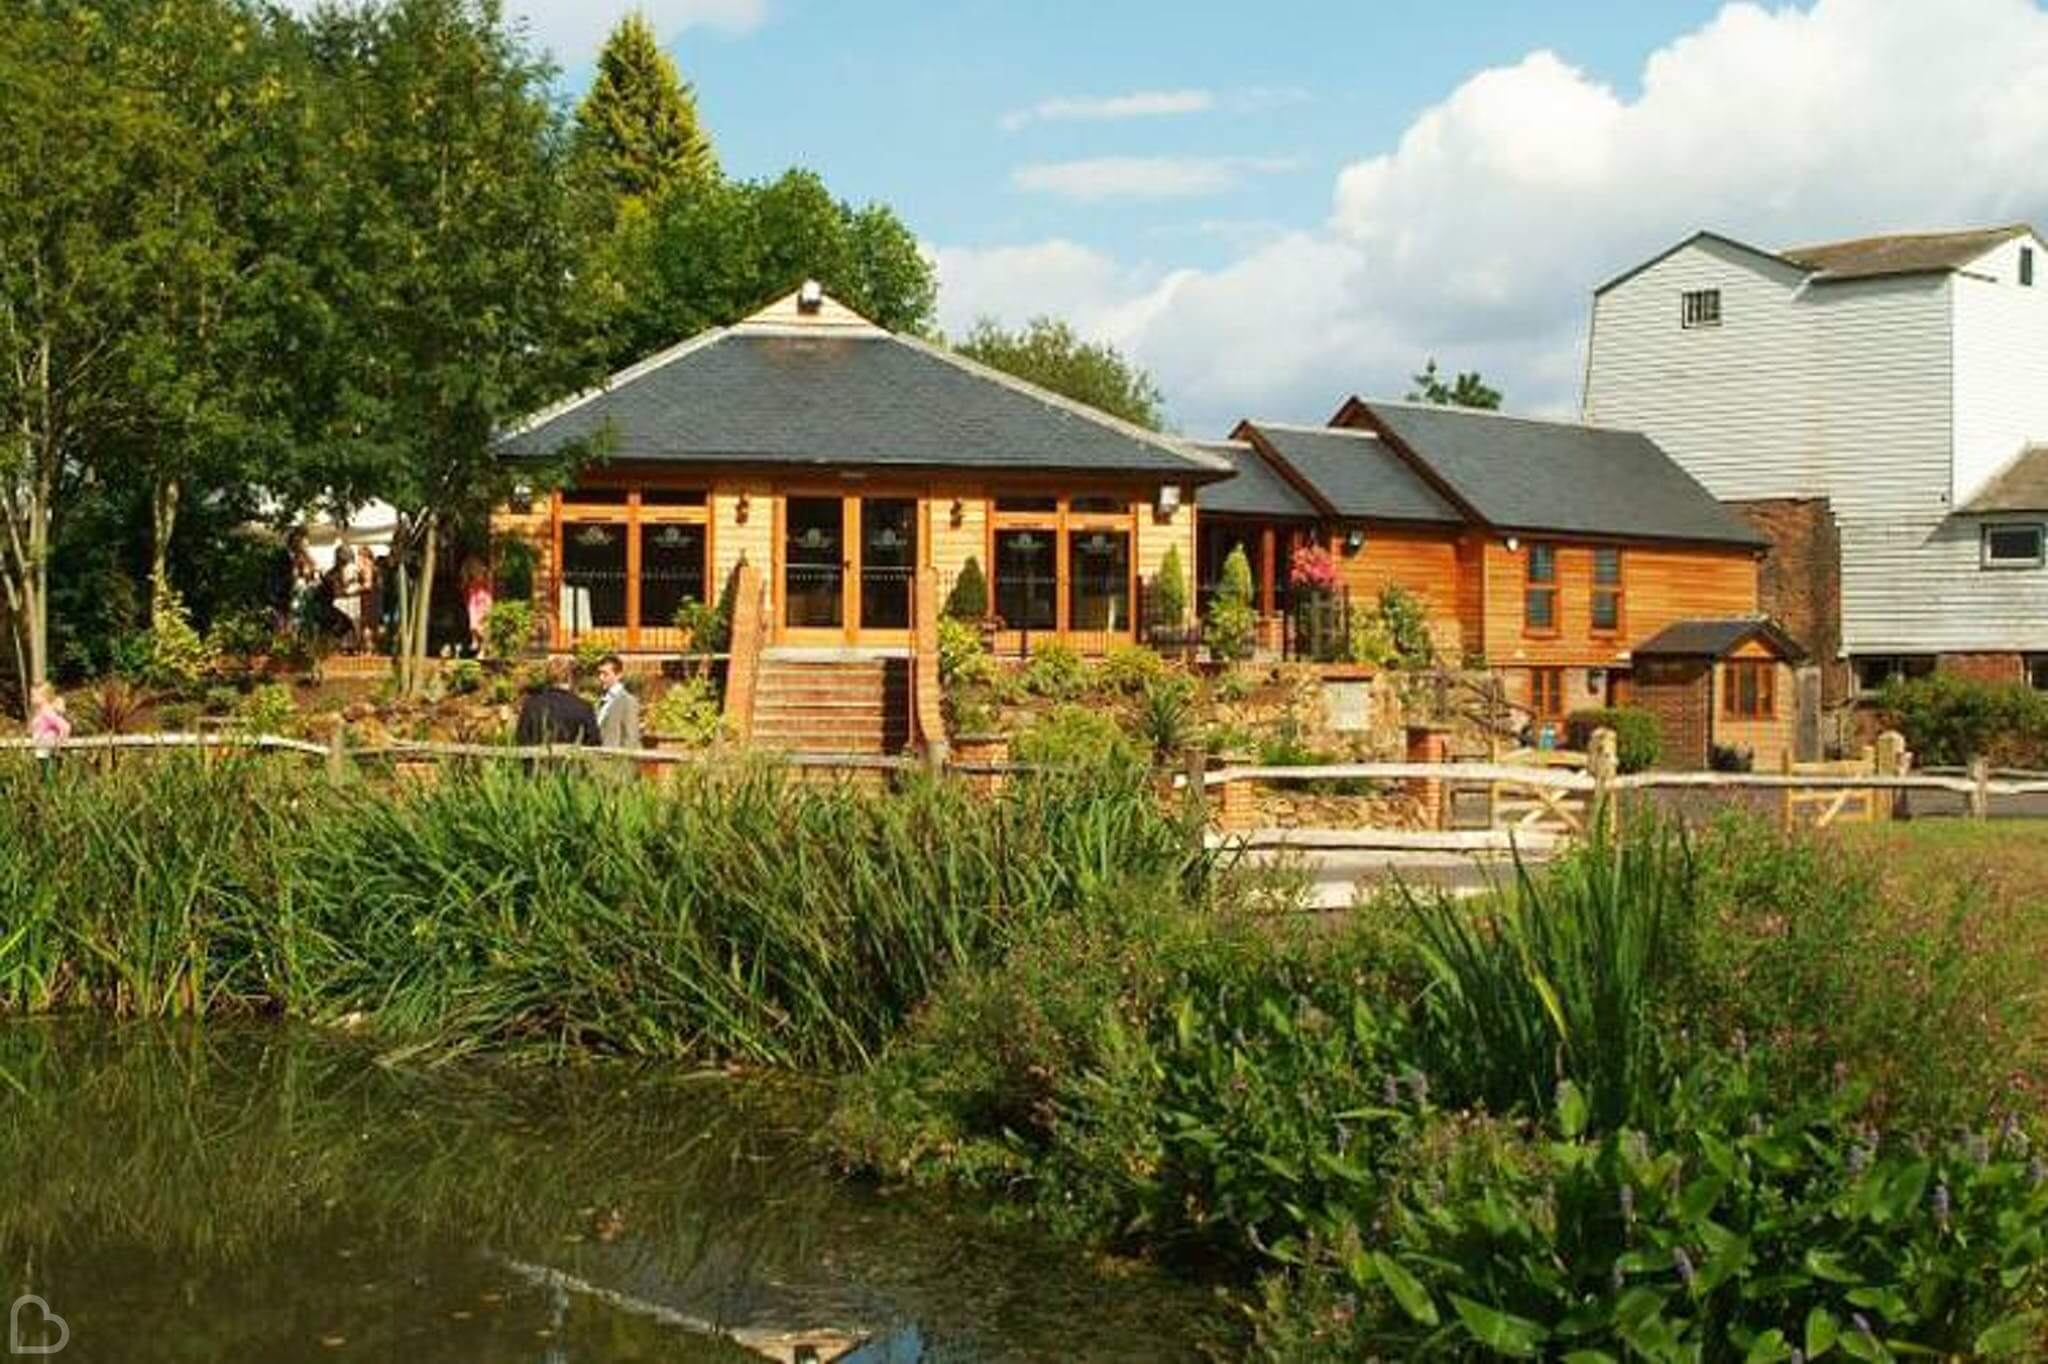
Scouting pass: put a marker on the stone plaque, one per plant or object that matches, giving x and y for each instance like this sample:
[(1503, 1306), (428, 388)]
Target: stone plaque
[(1347, 706)]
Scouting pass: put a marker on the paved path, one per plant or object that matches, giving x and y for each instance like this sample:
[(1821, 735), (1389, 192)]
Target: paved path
[(1335, 875)]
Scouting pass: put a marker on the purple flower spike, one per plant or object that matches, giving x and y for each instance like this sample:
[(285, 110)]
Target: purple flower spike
[(1391, 1092), (1861, 1322), (1859, 1159), (1682, 1262)]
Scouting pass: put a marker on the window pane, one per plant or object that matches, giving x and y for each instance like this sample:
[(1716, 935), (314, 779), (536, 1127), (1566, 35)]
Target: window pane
[(1100, 562), (2037, 671), (1539, 608), (671, 572), (888, 554), (593, 576), (1027, 579), (1542, 563), (1607, 567), (596, 497), (1099, 505), (1027, 504), (1606, 610), (2012, 544), (814, 562)]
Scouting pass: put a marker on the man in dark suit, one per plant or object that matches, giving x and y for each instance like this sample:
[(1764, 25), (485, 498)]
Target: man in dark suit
[(555, 714)]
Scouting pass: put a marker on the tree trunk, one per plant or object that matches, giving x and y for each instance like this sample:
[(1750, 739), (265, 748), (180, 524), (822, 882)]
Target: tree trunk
[(163, 516), (415, 611)]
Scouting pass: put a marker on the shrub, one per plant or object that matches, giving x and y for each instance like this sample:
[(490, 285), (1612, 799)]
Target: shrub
[(178, 655), (688, 712), (465, 677), (963, 660), (1235, 585), (1637, 741), (968, 600), (1055, 671), (1170, 590), (240, 636), (1130, 668), (1729, 758), (1077, 737), (1404, 620), (508, 628), (587, 654), (1948, 720), (1166, 714), (269, 709), (707, 627)]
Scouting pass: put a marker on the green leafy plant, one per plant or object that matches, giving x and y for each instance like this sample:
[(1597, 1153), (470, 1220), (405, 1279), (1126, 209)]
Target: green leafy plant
[(269, 709), (1077, 738), (1130, 668), (687, 712), (178, 654), (968, 601), (1638, 743), (464, 677), (963, 659), (509, 628), (1948, 720), (1404, 620), (587, 654), (706, 627), (1170, 591), (1055, 671), (1166, 714)]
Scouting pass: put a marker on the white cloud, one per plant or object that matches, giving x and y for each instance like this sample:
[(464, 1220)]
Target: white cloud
[(1480, 233), (573, 30), (1144, 177), (1098, 108)]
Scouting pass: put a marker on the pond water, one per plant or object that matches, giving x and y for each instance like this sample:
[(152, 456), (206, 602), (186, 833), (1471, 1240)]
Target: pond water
[(273, 1194)]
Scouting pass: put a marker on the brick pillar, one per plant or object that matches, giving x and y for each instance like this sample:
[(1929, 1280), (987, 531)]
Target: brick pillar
[(1237, 809), (1427, 745)]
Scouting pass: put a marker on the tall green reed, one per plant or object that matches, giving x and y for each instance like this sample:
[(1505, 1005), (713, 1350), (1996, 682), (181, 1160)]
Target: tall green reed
[(1559, 976), (740, 914)]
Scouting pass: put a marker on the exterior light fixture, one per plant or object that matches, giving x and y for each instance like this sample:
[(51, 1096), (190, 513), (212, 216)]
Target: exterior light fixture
[(741, 508), (1354, 539), (1169, 500), (522, 498), (958, 513), (1514, 543), (810, 296)]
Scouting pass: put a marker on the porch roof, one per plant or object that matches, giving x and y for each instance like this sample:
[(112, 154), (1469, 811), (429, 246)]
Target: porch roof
[(1717, 639), (1352, 473), (1257, 490), (825, 388)]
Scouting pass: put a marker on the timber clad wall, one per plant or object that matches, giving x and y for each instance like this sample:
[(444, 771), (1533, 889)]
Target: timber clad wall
[(1423, 561), (1660, 587), (752, 539), (953, 545), (1156, 535)]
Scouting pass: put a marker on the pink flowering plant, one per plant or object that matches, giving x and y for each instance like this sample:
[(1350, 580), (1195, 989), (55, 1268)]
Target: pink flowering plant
[(1312, 570)]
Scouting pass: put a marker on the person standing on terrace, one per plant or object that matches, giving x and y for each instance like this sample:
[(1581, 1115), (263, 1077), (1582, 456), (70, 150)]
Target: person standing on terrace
[(48, 725), (555, 714)]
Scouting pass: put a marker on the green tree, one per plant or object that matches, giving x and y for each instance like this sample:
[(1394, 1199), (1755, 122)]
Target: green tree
[(710, 256), (1170, 589), (82, 152), (1466, 390), (637, 130), (1047, 352), (446, 240)]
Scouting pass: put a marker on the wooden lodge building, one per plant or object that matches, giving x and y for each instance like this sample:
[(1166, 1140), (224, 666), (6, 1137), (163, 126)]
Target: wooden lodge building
[(853, 468)]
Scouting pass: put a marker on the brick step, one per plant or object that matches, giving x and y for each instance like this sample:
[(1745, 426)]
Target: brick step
[(830, 693), (835, 705)]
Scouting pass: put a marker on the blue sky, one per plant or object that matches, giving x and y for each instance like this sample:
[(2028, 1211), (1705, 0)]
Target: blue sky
[(1272, 206)]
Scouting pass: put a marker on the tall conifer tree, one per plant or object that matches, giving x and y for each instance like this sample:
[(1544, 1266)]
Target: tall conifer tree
[(637, 129)]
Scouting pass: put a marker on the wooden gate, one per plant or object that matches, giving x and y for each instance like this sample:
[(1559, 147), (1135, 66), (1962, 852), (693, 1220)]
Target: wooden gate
[(1537, 809)]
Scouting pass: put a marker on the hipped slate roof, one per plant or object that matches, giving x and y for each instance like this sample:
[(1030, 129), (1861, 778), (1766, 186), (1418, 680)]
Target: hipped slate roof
[(829, 388), (1350, 474), (1517, 473), (1257, 490), (2022, 486), (1716, 639)]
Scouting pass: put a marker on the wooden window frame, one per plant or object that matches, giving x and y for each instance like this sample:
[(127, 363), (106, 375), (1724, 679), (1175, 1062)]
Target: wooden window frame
[(1532, 585), (1618, 590), (1062, 522), (633, 516), (1542, 681), (1763, 701), (1699, 309)]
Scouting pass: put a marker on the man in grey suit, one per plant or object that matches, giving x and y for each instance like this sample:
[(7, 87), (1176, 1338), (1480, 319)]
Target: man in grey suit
[(618, 710)]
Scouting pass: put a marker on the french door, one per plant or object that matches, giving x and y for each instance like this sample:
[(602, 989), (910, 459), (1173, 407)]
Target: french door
[(847, 568)]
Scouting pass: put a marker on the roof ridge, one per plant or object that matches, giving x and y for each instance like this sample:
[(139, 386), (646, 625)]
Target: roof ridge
[(1175, 446), (639, 369), (1454, 409), (2006, 229), (1309, 428)]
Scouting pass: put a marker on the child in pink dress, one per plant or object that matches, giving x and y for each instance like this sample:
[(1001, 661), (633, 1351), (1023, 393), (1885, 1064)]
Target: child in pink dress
[(48, 726)]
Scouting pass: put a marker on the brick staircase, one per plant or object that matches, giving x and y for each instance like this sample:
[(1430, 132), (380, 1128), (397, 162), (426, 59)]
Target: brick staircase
[(805, 705)]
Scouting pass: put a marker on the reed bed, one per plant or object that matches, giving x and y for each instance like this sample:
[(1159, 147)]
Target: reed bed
[(738, 915)]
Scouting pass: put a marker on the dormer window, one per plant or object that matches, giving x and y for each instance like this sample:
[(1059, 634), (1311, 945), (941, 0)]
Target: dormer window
[(2027, 267), (1699, 308)]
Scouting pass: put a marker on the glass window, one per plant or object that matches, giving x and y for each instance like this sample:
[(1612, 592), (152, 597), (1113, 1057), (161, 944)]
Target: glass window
[(814, 563), (1027, 579), (1700, 308), (1095, 506), (1749, 689), (1539, 596), (1099, 563), (671, 571), (2027, 266), (1606, 607), (673, 497), (1027, 504), (888, 557), (1546, 693), (2037, 672), (1874, 670), (2013, 546), (593, 576)]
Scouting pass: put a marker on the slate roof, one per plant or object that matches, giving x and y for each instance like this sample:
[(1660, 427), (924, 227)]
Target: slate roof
[(2022, 486), (1716, 639), (1258, 489), (1353, 473), (838, 391), (1911, 253), (1518, 473)]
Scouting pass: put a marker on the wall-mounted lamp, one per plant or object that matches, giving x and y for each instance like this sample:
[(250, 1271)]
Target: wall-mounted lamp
[(1354, 539), (1596, 680), (1514, 543), (1169, 501), (741, 508), (522, 498), (957, 513)]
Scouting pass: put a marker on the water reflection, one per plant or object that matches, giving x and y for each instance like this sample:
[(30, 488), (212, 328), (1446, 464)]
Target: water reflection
[(270, 1194)]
